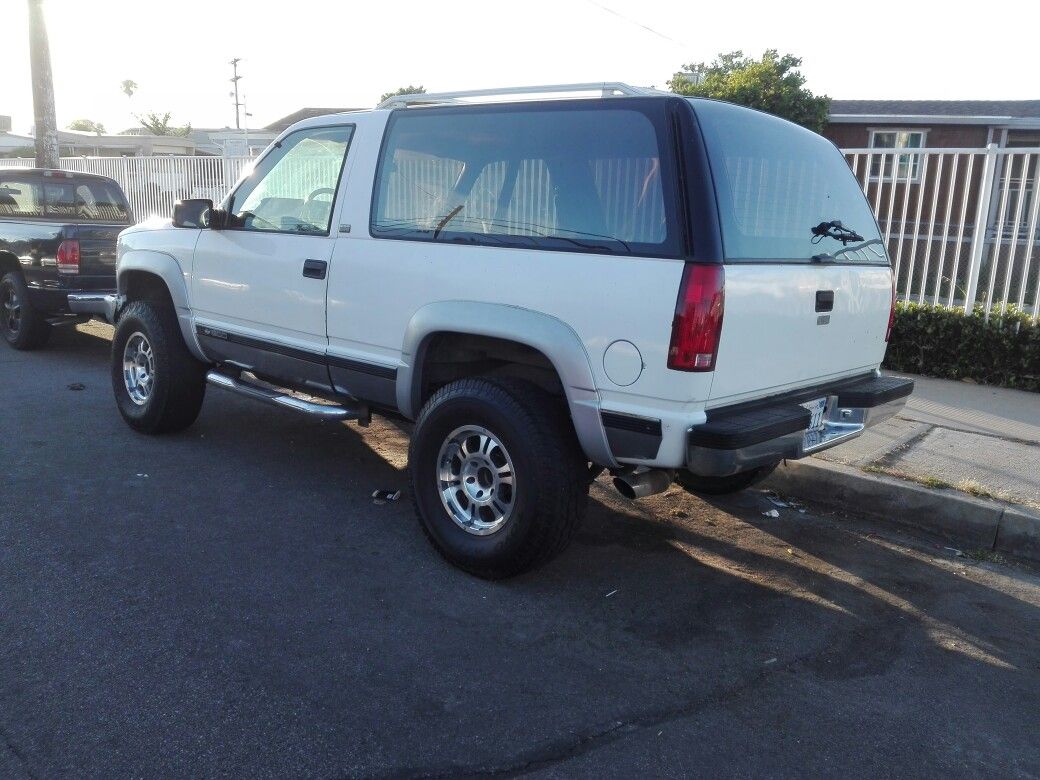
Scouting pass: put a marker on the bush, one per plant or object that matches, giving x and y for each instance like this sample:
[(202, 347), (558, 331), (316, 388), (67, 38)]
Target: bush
[(942, 342)]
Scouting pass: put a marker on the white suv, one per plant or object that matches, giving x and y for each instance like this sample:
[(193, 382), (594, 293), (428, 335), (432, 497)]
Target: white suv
[(663, 287)]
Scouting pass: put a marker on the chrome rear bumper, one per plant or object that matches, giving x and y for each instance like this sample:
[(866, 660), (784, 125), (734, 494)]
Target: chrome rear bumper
[(712, 453)]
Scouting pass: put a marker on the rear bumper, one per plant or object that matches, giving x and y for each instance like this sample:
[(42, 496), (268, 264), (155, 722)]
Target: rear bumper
[(743, 437), (97, 304)]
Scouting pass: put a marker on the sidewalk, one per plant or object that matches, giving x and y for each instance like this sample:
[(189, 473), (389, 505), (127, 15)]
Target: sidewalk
[(961, 460), (979, 439)]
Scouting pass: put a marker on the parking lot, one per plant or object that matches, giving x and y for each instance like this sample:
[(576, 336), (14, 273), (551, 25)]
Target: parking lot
[(230, 601)]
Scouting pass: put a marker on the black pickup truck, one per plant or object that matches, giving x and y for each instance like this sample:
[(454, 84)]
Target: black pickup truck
[(58, 234)]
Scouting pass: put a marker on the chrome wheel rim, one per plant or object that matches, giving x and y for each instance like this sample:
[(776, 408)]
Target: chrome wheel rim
[(138, 368), (476, 480), (10, 308)]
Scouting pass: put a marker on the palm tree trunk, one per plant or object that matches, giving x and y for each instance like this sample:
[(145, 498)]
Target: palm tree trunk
[(43, 89)]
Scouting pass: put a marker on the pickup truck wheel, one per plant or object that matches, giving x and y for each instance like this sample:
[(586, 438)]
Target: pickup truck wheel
[(22, 326), (499, 481), (158, 384), (720, 486)]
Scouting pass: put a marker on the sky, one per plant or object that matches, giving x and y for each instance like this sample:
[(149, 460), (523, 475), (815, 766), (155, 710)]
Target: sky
[(343, 53)]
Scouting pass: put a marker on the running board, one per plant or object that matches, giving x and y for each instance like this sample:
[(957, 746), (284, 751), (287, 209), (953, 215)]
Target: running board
[(321, 411)]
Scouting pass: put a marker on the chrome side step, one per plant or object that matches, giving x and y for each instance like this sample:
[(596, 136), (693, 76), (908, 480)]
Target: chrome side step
[(257, 393)]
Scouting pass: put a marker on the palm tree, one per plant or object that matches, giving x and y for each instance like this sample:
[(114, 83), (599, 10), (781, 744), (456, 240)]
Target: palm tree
[(46, 131), (129, 87)]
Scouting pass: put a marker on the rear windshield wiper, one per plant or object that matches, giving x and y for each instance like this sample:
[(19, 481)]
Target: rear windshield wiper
[(834, 230)]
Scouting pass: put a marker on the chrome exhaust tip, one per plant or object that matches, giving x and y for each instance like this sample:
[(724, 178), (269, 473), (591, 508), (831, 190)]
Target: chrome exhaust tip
[(640, 484)]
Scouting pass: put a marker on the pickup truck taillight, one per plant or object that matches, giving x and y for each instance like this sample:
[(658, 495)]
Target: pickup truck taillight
[(698, 318), (891, 313), (68, 257)]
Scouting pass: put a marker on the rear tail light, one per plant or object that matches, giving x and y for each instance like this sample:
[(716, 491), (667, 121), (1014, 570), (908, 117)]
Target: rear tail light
[(698, 319), (68, 257), (891, 313)]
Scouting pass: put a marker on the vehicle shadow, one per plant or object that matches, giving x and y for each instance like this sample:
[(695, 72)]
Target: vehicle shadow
[(243, 581)]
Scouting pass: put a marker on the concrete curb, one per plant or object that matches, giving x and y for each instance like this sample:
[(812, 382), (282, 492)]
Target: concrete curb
[(963, 519)]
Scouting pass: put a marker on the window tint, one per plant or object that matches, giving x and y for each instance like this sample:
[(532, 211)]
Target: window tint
[(558, 179), (775, 181), (19, 198), (293, 187), (84, 200)]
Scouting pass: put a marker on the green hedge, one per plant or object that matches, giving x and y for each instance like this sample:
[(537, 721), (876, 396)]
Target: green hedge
[(942, 342)]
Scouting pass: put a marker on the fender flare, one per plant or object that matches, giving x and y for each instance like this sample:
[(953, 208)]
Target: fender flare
[(166, 268), (543, 332)]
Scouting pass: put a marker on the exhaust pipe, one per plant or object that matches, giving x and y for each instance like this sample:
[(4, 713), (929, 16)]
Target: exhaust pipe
[(643, 483)]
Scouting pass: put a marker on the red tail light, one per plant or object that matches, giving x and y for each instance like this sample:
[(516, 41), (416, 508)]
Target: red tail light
[(891, 313), (68, 257), (698, 319)]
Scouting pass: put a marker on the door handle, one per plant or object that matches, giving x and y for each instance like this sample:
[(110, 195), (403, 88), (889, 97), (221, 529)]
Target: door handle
[(824, 300), (315, 269)]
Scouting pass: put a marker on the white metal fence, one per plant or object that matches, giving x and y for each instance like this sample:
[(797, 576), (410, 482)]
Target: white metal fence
[(154, 184), (961, 225)]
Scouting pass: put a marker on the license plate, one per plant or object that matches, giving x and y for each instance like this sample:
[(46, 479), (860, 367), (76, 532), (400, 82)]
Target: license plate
[(817, 409)]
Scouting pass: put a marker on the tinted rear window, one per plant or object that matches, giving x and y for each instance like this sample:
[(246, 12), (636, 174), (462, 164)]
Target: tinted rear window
[(73, 200), (775, 181), (568, 179)]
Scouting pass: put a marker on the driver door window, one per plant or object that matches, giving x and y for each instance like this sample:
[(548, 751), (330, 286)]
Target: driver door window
[(293, 188)]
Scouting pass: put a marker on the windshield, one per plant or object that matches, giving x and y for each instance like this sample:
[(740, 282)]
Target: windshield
[(781, 188)]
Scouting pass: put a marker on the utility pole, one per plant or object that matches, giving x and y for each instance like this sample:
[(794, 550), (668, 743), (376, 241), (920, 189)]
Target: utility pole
[(46, 126), (234, 80)]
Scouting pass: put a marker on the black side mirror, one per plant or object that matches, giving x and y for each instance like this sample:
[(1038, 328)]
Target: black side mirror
[(192, 213)]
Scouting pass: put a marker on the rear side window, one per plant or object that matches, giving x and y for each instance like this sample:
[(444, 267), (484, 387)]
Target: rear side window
[(775, 182), (84, 200), (548, 178)]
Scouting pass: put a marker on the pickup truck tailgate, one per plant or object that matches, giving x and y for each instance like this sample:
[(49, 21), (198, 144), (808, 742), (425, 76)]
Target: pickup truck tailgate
[(97, 248)]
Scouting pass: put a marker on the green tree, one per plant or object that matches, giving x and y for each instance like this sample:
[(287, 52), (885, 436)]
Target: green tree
[(409, 90), (773, 83), (87, 126), (159, 124), (128, 87)]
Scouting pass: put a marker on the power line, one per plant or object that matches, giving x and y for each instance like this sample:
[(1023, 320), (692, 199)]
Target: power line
[(637, 23)]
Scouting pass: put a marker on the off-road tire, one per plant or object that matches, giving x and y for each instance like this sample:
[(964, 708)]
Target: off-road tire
[(720, 486), (179, 383), (551, 474), (32, 329)]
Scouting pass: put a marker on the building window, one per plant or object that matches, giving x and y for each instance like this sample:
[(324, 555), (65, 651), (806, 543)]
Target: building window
[(907, 167)]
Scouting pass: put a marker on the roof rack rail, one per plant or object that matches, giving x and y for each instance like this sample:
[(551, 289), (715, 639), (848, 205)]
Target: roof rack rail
[(604, 88)]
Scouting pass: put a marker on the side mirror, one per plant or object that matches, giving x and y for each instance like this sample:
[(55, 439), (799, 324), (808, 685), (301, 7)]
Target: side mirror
[(192, 213)]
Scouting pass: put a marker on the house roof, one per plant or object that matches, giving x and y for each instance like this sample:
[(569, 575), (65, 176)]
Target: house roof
[(966, 108), (304, 113), (1014, 113)]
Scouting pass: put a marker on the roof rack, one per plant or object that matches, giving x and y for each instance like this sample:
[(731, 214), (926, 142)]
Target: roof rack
[(604, 88)]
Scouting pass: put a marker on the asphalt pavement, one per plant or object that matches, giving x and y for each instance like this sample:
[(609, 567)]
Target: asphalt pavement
[(229, 601)]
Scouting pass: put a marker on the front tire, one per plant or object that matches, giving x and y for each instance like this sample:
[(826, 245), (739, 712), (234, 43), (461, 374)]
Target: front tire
[(158, 384), (21, 325), (499, 480)]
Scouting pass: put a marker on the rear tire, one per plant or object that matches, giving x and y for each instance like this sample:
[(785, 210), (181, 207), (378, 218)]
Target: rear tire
[(720, 486), (499, 481), (22, 326), (158, 383)]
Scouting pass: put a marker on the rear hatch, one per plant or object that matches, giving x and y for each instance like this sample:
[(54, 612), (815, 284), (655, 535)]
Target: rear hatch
[(801, 307)]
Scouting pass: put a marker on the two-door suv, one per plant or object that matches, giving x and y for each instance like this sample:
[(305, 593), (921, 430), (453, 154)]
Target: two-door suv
[(662, 287)]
